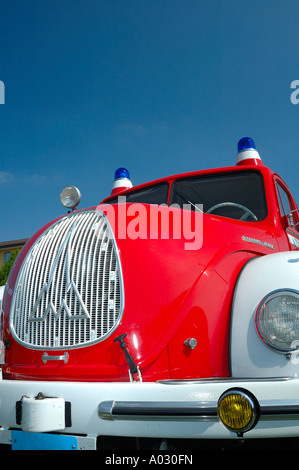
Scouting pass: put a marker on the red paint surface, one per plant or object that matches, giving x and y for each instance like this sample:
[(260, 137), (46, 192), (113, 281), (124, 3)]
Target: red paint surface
[(171, 294)]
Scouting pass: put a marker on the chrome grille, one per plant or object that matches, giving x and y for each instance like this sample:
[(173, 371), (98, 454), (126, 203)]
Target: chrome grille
[(69, 290)]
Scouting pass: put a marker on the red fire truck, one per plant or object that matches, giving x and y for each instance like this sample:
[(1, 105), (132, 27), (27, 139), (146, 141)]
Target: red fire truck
[(169, 311)]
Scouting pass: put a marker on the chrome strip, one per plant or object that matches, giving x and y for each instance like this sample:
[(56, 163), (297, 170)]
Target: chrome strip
[(118, 410), (134, 409), (268, 409), (207, 380)]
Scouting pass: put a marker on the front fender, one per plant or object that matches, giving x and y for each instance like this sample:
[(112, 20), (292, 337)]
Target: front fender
[(249, 356)]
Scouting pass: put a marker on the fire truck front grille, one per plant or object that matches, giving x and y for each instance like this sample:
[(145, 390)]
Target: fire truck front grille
[(69, 291)]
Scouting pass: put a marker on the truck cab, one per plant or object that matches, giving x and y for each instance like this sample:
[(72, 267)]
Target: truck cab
[(168, 311)]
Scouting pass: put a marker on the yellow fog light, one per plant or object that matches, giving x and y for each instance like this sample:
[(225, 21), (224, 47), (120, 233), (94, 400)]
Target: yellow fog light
[(237, 410)]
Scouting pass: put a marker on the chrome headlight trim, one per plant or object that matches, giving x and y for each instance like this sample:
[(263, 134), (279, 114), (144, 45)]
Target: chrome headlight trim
[(260, 322)]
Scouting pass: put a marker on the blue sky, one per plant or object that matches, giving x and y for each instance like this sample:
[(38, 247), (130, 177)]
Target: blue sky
[(157, 86)]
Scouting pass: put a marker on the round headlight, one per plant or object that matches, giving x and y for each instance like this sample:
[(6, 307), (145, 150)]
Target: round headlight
[(237, 410), (70, 197), (277, 320)]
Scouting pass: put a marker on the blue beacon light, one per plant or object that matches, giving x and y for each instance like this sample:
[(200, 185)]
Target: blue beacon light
[(247, 153), (246, 143), (121, 173), (121, 181)]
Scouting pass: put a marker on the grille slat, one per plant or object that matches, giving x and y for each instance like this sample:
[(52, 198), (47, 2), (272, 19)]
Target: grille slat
[(69, 289)]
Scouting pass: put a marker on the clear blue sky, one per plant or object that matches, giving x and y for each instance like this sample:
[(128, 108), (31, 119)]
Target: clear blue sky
[(157, 86)]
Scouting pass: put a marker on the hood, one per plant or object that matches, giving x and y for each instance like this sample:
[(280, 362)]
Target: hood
[(158, 284)]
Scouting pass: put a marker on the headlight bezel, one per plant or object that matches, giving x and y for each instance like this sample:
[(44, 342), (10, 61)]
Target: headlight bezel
[(258, 321)]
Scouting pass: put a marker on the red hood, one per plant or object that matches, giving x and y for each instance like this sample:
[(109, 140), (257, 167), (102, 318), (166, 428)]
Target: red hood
[(170, 294)]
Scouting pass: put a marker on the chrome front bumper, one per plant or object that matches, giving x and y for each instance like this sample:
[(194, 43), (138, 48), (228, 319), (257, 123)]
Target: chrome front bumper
[(165, 409)]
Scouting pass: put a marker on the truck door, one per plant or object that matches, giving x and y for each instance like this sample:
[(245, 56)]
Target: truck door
[(289, 214)]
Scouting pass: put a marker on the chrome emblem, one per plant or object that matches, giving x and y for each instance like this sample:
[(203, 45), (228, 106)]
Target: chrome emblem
[(69, 285)]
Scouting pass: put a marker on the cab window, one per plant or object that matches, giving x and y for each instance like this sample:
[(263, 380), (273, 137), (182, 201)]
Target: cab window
[(285, 205), (237, 195), (156, 194)]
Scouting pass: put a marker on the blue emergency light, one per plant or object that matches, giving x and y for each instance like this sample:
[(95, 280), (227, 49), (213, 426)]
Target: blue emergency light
[(246, 143), (247, 153), (121, 180), (121, 173)]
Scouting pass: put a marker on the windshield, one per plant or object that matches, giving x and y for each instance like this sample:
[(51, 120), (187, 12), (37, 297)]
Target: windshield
[(156, 194), (238, 195)]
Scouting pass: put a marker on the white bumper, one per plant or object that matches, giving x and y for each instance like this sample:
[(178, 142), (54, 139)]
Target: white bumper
[(173, 409)]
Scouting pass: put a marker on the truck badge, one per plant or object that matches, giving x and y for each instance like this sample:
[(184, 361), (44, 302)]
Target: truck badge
[(69, 285)]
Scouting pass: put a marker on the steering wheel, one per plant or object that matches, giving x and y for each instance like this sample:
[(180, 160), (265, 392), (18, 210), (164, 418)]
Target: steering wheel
[(234, 204)]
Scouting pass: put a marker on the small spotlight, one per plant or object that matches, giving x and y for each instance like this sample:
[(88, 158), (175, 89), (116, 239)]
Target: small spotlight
[(70, 197)]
